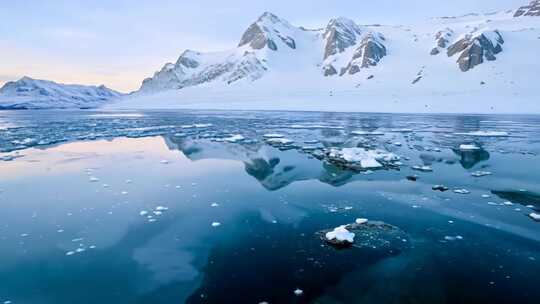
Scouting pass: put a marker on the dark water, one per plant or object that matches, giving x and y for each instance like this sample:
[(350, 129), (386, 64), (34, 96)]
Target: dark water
[(124, 208)]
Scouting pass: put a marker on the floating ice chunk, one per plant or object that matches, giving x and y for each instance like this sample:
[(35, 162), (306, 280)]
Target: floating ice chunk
[(485, 134), (273, 135), (340, 234), (441, 188), (214, 205), (486, 195), (361, 221), (480, 173), (70, 253), (164, 162), (279, 141), (128, 181), (398, 144), (422, 168), (161, 208), (143, 213), (79, 250), (94, 179), (462, 191), (535, 216), (234, 138), (24, 235), (468, 147), (453, 238), (7, 302), (367, 133), (60, 230), (366, 158), (124, 192), (298, 292), (508, 203), (151, 220), (92, 247), (158, 213), (216, 224)]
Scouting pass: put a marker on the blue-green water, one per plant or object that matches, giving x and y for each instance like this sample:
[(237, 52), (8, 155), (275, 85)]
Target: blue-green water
[(169, 207)]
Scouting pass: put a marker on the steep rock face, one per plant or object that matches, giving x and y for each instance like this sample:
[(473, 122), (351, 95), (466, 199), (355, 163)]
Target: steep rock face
[(268, 31), (442, 40), (370, 51), (474, 49), (194, 68), (28, 93), (533, 9), (340, 34)]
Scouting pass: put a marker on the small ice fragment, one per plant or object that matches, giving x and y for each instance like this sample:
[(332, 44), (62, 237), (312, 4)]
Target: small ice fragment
[(92, 247), (70, 253), (158, 213), (480, 173), (161, 208), (24, 235), (214, 205), (361, 221), (79, 250), (535, 216), (124, 192), (340, 234), (164, 162), (298, 292), (508, 203), (151, 220), (143, 213), (60, 230), (486, 195), (273, 135), (216, 224), (128, 181), (462, 191), (422, 168), (94, 179), (234, 138), (468, 147)]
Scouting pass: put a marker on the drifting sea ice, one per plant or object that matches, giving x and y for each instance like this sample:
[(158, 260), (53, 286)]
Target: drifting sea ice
[(341, 234), (535, 216), (485, 134), (366, 158), (468, 147)]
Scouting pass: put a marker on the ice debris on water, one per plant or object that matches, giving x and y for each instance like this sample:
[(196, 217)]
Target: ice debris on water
[(216, 224), (340, 235), (298, 292), (535, 216), (164, 162), (441, 188), (462, 191), (453, 238), (480, 173), (423, 168), (361, 158), (485, 134), (94, 179), (468, 147), (273, 135), (234, 138)]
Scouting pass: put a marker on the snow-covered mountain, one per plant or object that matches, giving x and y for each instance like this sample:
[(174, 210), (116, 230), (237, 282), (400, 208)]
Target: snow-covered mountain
[(470, 63), (28, 93)]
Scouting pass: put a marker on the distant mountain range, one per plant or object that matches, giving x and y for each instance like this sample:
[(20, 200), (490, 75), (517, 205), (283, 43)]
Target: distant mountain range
[(28, 93), (470, 63)]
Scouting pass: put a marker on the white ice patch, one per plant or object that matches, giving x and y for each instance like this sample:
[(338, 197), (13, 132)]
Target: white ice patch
[(366, 158), (468, 147), (535, 216), (485, 134), (234, 138), (216, 224), (361, 221), (279, 141), (273, 135), (340, 234)]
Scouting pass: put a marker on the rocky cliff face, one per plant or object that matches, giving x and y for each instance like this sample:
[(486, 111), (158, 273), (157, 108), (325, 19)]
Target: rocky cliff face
[(370, 51), (442, 40), (343, 34), (475, 48), (533, 9)]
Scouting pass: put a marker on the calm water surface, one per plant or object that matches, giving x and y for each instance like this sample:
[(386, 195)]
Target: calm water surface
[(174, 207)]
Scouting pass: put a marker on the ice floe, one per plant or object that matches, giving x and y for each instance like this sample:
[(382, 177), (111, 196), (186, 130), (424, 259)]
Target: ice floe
[(298, 292), (485, 134), (340, 235), (422, 168), (462, 191), (480, 173), (535, 216), (468, 147), (234, 138), (362, 158), (216, 224)]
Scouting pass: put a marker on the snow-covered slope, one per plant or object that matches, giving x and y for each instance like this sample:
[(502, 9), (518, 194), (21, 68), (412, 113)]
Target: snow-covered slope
[(28, 93), (471, 63)]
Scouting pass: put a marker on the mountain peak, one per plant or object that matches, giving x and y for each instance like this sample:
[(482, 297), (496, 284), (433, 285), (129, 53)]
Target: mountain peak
[(267, 31), (340, 33)]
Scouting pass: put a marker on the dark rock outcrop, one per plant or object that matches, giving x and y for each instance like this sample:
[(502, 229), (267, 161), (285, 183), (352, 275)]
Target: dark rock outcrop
[(533, 9), (368, 54), (442, 39), (340, 34), (474, 49)]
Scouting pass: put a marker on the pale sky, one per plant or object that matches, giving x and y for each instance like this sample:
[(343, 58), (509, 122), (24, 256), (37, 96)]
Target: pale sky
[(119, 43)]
